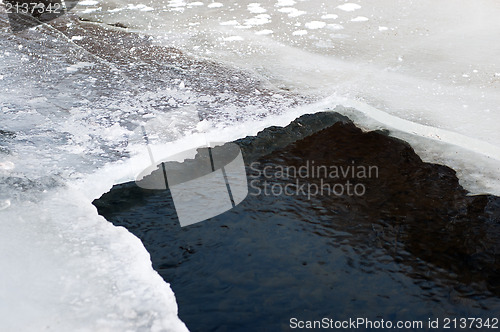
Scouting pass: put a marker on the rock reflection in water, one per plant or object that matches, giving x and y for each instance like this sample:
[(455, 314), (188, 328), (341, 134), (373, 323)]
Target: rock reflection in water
[(414, 246)]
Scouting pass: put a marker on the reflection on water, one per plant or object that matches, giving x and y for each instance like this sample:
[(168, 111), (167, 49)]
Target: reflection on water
[(412, 247)]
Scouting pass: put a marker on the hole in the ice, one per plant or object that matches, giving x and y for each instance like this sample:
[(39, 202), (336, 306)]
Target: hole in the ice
[(414, 243)]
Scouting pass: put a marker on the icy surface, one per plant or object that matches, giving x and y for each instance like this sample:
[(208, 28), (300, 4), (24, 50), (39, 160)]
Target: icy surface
[(71, 100), (430, 63), (65, 268)]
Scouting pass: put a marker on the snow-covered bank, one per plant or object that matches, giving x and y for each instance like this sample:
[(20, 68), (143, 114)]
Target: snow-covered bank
[(64, 267)]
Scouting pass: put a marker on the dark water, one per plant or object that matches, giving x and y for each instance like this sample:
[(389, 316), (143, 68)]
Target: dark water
[(414, 246)]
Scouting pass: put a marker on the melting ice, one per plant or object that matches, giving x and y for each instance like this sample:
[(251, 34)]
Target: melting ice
[(426, 70)]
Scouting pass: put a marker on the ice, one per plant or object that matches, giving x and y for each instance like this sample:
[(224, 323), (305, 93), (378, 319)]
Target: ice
[(73, 113), (233, 38), (299, 33), (4, 203), (260, 19), (64, 267), (69, 276), (232, 22), (359, 19), (77, 66), (88, 2), (284, 3), (313, 25), (215, 5), (176, 3), (140, 7), (335, 26), (68, 119), (7, 165), (432, 64), (90, 10), (256, 8), (349, 7), (329, 17), (264, 32), (292, 12)]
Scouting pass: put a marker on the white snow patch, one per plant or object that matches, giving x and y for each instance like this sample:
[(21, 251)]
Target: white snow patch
[(297, 13), (7, 166), (232, 22), (233, 38), (284, 3), (75, 67), (329, 17), (88, 2), (90, 10), (349, 7), (215, 5), (292, 12), (141, 7), (264, 32), (360, 19), (334, 26), (4, 203), (258, 20), (313, 25), (255, 8), (176, 3)]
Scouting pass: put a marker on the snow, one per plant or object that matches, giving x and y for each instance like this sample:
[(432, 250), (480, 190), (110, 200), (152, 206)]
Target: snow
[(329, 16), (215, 5), (359, 19), (285, 3), (299, 33), (349, 7), (260, 19), (64, 267), (256, 8), (88, 2), (264, 32), (233, 22), (313, 25), (233, 38)]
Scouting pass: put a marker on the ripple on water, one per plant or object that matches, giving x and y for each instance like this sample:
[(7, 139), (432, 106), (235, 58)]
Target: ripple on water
[(408, 249)]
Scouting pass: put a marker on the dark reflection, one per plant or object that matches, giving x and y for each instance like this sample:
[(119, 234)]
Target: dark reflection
[(413, 246)]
